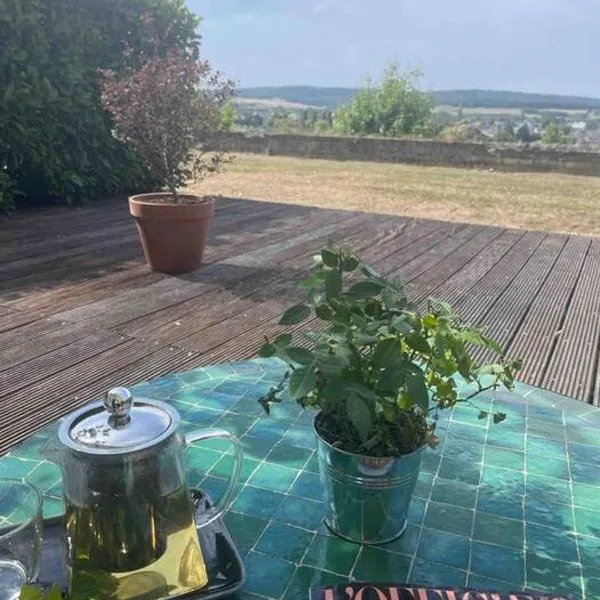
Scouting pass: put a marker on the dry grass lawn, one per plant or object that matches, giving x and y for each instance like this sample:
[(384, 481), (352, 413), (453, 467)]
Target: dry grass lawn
[(547, 201)]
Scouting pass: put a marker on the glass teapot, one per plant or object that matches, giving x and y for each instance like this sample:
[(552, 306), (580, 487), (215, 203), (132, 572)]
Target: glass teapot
[(130, 519)]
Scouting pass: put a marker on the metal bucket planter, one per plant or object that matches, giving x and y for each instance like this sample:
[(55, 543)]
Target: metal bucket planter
[(366, 498)]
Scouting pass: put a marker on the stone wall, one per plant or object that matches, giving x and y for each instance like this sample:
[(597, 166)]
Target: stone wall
[(507, 157)]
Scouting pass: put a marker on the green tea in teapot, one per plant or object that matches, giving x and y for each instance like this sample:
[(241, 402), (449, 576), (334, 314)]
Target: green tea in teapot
[(131, 549)]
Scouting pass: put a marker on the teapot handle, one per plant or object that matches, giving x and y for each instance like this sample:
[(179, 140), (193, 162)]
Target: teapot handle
[(227, 497)]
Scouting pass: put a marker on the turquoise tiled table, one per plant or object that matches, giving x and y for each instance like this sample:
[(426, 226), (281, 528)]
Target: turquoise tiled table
[(508, 506)]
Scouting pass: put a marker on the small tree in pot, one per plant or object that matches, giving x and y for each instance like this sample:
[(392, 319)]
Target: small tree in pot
[(168, 110), (379, 373)]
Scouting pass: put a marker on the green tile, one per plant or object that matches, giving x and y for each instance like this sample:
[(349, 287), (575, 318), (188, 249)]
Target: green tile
[(214, 400), (273, 477), (201, 459), (477, 582), (308, 485), (555, 491), (446, 548), (589, 550), (454, 492), (300, 511), (548, 542), (506, 438), (332, 553), (267, 575), (225, 464), (495, 501), (248, 406), (591, 577), (16, 468), (583, 435), (430, 461), (498, 530), (416, 510), (290, 456), (490, 560), (466, 453), (407, 543), (467, 433), (245, 529), (257, 502), (256, 448), (307, 577), (587, 522), (284, 541), (547, 575), (377, 564), (584, 453), (538, 447), (236, 424), (538, 509), (505, 458), (510, 482), (313, 464), (213, 486), (586, 496), (423, 485), (436, 574), (585, 473), (53, 507), (269, 429), (451, 468), (304, 437), (546, 429), (44, 476), (451, 519)]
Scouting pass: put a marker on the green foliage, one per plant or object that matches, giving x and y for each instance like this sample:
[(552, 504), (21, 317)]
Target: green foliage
[(32, 592), (56, 143), (394, 107), (380, 367), (552, 133)]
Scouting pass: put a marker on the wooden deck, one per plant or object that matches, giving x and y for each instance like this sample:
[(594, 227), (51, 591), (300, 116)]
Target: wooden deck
[(80, 312)]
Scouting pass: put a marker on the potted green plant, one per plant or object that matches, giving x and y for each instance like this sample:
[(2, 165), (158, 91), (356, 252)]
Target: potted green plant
[(168, 110), (378, 370)]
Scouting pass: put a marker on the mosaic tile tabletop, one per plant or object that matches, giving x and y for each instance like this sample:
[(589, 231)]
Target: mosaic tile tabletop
[(504, 507)]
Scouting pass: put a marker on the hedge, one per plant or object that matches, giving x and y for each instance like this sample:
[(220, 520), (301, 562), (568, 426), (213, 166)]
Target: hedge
[(56, 144)]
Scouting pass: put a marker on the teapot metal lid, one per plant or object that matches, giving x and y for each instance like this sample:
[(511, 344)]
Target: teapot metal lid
[(118, 425)]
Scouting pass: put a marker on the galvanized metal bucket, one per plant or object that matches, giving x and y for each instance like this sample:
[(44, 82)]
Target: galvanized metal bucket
[(366, 498)]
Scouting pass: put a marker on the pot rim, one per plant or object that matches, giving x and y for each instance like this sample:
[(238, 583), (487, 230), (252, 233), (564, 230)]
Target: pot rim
[(202, 200), (363, 456)]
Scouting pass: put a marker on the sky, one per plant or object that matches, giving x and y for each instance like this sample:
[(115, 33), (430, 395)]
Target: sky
[(546, 46)]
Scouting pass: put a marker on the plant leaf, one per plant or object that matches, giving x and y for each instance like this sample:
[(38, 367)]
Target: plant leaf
[(365, 289), (333, 283), (267, 350), (388, 353), (302, 356), (417, 390), (360, 415), (418, 342), (282, 341), (391, 380), (349, 264), (294, 315), (302, 382), (499, 417), (324, 312), (330, 259)]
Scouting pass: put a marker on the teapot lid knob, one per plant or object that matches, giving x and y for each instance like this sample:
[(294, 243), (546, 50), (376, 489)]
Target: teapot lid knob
[(118, 402)]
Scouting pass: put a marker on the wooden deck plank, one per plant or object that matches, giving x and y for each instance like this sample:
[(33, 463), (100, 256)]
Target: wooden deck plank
[(572, 368), (80, 312)]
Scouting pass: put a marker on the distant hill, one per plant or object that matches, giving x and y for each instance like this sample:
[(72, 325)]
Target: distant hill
[(330, 97)]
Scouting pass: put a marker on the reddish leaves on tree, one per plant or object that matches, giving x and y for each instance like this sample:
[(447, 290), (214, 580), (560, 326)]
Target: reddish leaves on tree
[(168, 111)]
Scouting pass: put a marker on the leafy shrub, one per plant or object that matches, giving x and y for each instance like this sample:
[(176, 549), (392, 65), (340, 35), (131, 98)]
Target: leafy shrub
[(167, 110), (56, 144)]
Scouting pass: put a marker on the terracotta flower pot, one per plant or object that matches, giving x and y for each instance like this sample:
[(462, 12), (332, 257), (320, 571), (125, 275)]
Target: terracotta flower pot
[(173, 236)]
